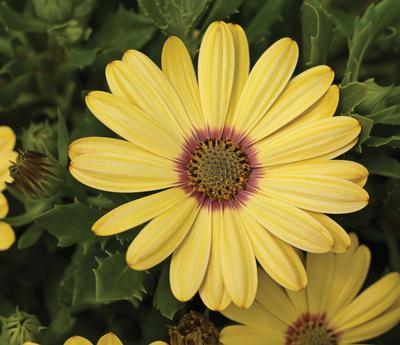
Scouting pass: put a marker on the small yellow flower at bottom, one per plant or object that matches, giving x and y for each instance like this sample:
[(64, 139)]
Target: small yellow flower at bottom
[(327, 312)]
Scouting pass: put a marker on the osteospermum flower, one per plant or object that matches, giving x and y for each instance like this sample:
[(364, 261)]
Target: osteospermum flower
[(243, 161), (327, 312), (107, 339), (7, 155)]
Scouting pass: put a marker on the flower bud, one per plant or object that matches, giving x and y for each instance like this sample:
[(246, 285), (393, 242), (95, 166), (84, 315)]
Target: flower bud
[(20, 327), (53, 11), (40, 137), (194, 329), (36, 175)]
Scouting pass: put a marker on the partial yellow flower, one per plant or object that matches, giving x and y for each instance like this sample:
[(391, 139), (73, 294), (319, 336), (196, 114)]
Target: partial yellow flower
[(243, 161), (107, 339), (7, 155), (327, 312)]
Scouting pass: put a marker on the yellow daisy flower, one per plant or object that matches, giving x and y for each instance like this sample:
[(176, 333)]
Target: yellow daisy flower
[(327, 312), (7, 155), (244, 162)]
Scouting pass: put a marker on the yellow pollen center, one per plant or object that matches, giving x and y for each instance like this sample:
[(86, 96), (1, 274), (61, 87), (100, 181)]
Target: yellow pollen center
[(311, 331), (219, 169)]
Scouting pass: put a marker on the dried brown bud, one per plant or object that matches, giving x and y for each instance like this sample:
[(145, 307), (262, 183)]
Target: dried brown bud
[(194, 329)]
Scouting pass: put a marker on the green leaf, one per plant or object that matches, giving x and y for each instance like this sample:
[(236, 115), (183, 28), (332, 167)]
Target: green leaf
[(63, 140), (220, 10), (81, 57), (366, 127), (382, 165), (12, 20), (116, 281), (265, 19), (163, 299), (11, 91), (392, 141), (30, 236), (351, 95), (60, 325), (70, 224), (387, 116), (174, 17), (375, 98), (377, 17), (317, 27)]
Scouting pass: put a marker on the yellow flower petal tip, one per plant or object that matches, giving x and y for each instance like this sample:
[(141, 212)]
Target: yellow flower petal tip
[(109, 339), (171, 119), (78, 340)]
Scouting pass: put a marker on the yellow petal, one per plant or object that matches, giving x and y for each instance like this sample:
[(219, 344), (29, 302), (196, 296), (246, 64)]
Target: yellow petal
[(190, 260), (244, 335), (351, 269), (121, 172), (348, 170), (158, 342), (5, 162), (3, 206), (162, 235), (374, 328), (238, 262), (324, 108), (133, 124), (299, 300), (265, 83), (109, 339), (274, 299), (138, 211), (276, 257), (309, 141), (256, 316), (77, 340), (316, 193), (370, 304), (212, 291), (300, 93), (7, 139), (178, 67), (7, 236), (242, 65), (29, 343), (340, 237), (153, 92), (320, 272), (289, 223), (216, 72)]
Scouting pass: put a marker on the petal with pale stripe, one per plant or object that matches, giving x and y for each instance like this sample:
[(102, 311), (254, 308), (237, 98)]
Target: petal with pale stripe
[(216, 73), (138, 211), (121, 172), (348, 170), (300, 93), (162, 235), (190, 260), (178, 67), (133, 124), (244, 335), (3, 206), (213, 291), (289, 223), (276, 257), (265, 83), (238, 262), (369, 304), (309, 141), (7, 236), (242, 65), (7, 139), (5, 162), (153, 92), (316, 193)]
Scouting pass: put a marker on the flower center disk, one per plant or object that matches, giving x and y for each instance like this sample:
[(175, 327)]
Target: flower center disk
[(311, 330), (219, 169)]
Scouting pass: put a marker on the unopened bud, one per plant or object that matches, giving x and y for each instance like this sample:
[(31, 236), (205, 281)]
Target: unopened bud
[(20, 327), (40, 137), (194, 329), (36, 175), (53, 11)]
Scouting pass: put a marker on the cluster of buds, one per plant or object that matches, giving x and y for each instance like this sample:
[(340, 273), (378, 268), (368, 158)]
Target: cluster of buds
[(194, 329)]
